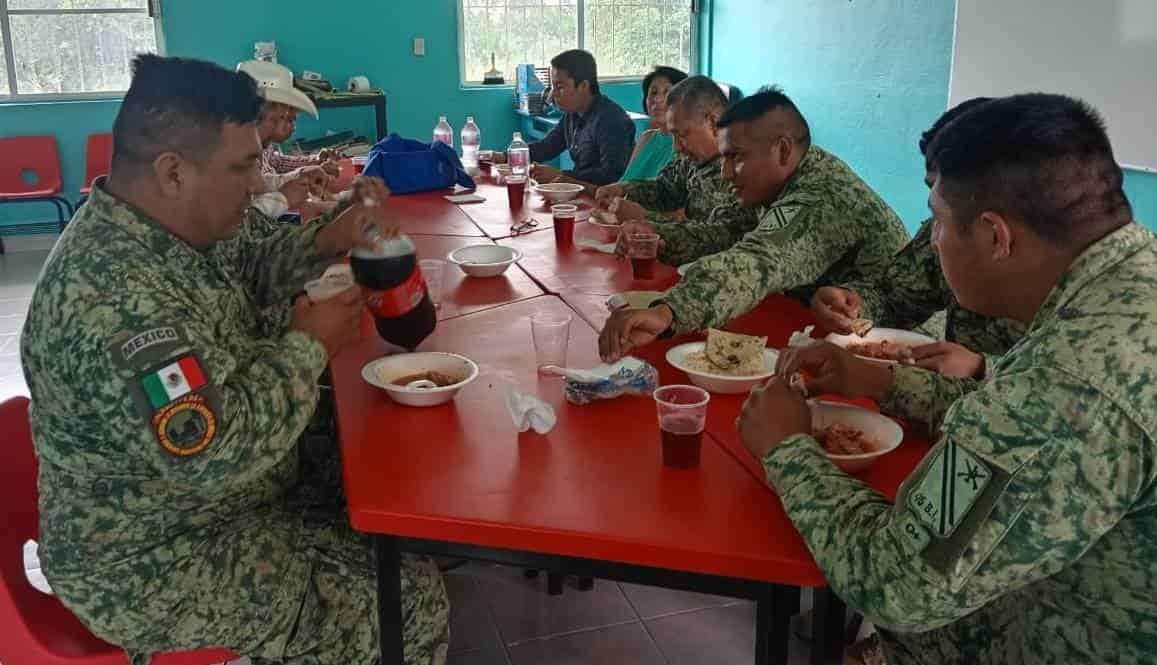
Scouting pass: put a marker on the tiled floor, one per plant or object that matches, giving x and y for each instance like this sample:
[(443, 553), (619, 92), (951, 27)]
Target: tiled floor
[(18, 271)]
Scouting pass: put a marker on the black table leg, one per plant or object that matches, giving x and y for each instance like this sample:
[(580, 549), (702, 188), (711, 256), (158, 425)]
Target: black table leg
[(773, 611), (389, 600), (828, 616)]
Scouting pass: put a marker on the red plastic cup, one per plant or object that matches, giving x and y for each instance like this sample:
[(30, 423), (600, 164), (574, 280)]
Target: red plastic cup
[(516, 191), (643, 250), (359, 164), (564, 218), (682, 418)]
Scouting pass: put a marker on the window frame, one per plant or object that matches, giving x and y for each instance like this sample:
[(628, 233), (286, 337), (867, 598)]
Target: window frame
[(696, 8), (152, 9)]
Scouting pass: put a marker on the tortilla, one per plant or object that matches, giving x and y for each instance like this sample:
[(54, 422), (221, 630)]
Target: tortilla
[(742, 354), (862, 327)]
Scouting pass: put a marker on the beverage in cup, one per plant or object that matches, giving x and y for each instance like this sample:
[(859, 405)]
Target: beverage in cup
[(682, 417), (643, 249), (564, 218), (516, 190)]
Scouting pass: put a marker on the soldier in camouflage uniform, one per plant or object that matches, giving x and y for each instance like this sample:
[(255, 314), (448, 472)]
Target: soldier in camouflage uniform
[(1026, 536), (170, 385), (693, 183), (819, 224), (910, 289)]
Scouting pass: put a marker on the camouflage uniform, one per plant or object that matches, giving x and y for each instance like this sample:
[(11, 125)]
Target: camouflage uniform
[(912, 288), (175, 511), (1026, 536), (714, 218), (826, 227)]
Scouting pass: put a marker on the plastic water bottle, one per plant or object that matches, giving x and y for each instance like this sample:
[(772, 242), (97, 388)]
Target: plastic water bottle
[(518, 156), (471, 141), (444, 132)]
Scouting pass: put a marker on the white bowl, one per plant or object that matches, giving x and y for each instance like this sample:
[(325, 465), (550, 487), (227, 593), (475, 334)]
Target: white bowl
[(558, 192), (879, 428), (881, 335), (720, 383), (383, 371), (608, 230), (484, 260)]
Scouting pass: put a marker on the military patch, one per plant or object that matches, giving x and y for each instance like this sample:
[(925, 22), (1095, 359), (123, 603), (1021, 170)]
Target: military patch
[(147, 339), (136, 351), (187, 426), (951, 483), (177, 379)]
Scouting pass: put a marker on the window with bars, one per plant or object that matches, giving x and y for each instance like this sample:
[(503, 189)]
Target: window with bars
[(72, 49), (627, 37)]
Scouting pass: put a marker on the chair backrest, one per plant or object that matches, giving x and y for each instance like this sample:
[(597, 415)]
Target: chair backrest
[(733, 93), (29, 154), (97, 157)]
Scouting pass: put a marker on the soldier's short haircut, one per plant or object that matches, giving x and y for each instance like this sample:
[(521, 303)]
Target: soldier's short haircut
[(763, 102), (580, 65), (1044, 159), (179, 105), (947, 117), (698, 95)]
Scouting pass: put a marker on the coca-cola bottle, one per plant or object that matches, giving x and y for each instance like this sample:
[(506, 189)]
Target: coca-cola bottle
[(395, 291)]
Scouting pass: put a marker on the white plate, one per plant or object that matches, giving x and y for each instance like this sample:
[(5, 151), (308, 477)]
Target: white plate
[(881, 335), (720, 383), (383, 371), (879, 428)]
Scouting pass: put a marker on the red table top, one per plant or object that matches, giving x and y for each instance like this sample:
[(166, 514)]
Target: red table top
[(471, 478), (462, 294), (495, 217), (430, 214)]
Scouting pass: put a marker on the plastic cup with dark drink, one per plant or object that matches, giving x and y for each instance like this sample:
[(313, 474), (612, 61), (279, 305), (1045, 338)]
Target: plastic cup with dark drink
[(564, 218), (643, 248), (682, 417), (516, 190)]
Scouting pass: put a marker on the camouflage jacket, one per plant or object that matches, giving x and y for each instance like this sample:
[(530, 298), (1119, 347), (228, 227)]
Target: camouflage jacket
[(826, 227), (714, 219), (167, 392), (911, 288), (1026, 536)]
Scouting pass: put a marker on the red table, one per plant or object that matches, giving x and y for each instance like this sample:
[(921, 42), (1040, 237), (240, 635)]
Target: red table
[(495, 217), (461, 294), (430, 214)]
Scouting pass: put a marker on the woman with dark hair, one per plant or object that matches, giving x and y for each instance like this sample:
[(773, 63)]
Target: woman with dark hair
[(655, 147)]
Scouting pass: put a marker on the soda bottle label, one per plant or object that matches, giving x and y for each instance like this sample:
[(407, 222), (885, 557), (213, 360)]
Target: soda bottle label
[(399, 300)]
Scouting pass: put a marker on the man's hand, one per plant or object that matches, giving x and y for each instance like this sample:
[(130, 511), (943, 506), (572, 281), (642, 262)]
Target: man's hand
[(543, 174), (772, 413), (835, 308), (352, 227), (295, 191), (949, 359), (606, 194), (622, 246), (832, 369), (628, 329), (627, 210), (334, 322), (331, 169), (327, 155), (316, 177)]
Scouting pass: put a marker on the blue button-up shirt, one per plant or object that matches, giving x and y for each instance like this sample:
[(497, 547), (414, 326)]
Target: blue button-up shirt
[(600, 142)]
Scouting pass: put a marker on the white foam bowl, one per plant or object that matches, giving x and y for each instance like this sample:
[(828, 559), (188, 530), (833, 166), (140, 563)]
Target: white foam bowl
[(383, 371), (892, 335), (608, 231), (558, 192), (719, 383), (884, 431), (484, 260)]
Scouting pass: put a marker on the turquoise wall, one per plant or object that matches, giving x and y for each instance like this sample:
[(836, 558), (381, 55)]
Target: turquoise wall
[(337, 38), (870, 75)]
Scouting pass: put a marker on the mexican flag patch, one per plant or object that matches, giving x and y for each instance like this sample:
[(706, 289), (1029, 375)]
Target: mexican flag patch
[(173, 381)]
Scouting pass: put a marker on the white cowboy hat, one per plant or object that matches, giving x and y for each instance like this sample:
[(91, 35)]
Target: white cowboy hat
[(275, 84)]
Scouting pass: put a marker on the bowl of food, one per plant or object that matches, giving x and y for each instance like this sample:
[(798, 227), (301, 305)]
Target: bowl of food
[(882, 345), (484, 260), (421, 379), (853, 438), (558, 192), (606, 224), (727, 363)]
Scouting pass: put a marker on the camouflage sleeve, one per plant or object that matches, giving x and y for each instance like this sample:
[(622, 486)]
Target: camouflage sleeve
[(1020, 487), (275, 264), (691, 240), (792, 246), (909, 289), (663, 193), (923, 396)]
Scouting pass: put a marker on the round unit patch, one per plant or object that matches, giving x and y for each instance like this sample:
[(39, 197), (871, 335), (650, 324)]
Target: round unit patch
[(185, 427)]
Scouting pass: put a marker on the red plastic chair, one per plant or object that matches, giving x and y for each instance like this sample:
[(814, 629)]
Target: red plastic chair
[(37, 628), (34, 156), (97, 162)]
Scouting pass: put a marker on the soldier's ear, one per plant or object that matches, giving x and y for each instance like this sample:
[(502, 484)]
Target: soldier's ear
[(168, 169)]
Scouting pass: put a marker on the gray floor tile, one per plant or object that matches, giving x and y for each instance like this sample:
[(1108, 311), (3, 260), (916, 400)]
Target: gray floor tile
[(10, 306), (523, 610), (720, 636), (10, 344), (651, 601), (11, 386), (471, 626), (484, 657), (617, 645), (12, 323)]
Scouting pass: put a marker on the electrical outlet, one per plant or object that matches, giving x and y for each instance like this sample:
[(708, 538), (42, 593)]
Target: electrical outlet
[(419, 46)]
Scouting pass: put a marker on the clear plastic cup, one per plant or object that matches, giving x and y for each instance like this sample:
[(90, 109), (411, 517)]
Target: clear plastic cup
[(682, 418), (564, 218), (643, 249), (551, 335), (433, 271)]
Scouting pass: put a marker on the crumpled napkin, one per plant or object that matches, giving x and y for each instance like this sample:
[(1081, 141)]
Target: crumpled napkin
[(529, 412), (801, 338), (595, 246), (32, 568), (629, 376)]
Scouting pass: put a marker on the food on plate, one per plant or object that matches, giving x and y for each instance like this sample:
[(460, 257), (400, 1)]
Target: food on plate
[(605, 218), (862, 327), (883, 350), (729, 354), (838, 439), (439, 379)]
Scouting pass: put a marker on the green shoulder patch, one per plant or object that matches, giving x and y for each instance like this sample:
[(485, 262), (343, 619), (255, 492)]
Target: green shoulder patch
[(951, 483)]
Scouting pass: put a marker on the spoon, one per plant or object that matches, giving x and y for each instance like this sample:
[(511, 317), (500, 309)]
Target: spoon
[(421, 384)]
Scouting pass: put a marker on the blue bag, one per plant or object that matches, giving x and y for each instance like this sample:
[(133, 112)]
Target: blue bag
[(410, 166)]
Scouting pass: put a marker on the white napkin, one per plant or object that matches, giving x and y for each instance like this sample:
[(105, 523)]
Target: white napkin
[(465, 198), (598, 373), (595, 246), (801, 338), (529, 412), (32, 568)]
